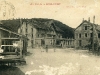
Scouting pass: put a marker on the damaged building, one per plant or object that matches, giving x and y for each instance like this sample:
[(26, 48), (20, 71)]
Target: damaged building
[(87, 33)]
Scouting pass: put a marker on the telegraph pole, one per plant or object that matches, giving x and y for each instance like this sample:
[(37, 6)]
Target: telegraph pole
[(93, 34)]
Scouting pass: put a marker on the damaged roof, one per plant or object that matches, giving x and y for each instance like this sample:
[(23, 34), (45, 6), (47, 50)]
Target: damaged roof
[(97, 27), (12, 25)]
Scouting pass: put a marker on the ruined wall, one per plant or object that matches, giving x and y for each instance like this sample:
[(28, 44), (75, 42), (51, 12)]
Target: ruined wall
[(83, 34)]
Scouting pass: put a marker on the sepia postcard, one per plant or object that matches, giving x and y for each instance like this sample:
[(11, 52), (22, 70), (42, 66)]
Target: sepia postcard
[(49, 37)]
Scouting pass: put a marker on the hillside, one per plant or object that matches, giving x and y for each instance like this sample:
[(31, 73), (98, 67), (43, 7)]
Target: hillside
[(68, 31), (14, 24)]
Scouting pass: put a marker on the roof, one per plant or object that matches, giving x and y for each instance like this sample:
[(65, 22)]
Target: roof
[(12, 25), (83, 22), (20, 35), (96, 25), (42, 24), (39, 23)]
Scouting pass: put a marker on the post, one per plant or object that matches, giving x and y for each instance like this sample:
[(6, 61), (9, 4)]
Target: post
[(47, 48), (54, 44), (93, 34)]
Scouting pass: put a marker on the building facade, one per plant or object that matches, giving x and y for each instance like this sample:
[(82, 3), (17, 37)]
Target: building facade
[(41, 33), (85, 33), (8, 37)]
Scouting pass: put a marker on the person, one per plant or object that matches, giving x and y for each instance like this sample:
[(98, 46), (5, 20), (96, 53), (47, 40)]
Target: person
[(46, 48), (17, 51)]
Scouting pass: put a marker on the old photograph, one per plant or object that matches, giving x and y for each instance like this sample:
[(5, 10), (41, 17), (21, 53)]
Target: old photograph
[(49, 37)]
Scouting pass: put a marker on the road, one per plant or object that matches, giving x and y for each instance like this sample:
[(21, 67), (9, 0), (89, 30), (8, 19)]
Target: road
[(62, 62)]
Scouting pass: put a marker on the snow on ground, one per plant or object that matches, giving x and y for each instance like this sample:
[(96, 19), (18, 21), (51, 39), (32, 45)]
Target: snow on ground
[(62, 62)]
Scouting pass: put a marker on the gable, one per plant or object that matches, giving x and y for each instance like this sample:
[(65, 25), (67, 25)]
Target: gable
[(85, 25)]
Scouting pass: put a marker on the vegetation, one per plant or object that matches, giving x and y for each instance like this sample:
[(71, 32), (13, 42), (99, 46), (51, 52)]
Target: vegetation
[(96, 49), (68, 32), (14, 24)]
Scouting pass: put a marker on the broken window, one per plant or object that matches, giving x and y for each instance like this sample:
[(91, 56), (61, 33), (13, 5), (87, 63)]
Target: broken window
[(79, 35), (86, 27), (32, 35), (98, 35), (85, 34)]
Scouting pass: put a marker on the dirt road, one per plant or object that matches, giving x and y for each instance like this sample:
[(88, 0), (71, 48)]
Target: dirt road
[(62, 62)]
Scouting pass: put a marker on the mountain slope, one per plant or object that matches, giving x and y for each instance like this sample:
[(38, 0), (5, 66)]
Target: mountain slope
[(14, 24), (68, 31)]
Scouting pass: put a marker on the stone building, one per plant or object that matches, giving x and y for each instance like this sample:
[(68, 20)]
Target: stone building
[(85, 33), (40, 33), (8, 35)]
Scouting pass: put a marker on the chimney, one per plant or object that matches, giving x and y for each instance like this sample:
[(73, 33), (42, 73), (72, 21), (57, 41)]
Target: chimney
[(83, 19), (94, 19), (89, 19)]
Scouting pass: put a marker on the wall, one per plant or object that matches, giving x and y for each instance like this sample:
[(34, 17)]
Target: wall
[(83, 35)]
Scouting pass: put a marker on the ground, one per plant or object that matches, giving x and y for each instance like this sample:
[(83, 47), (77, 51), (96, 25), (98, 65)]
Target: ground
[(61, 62)]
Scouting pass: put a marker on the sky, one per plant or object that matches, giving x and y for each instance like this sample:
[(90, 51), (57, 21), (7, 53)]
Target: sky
[(69, 12)]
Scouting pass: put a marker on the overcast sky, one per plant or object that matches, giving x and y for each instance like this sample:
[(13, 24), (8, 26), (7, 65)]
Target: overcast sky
[(69, 12)]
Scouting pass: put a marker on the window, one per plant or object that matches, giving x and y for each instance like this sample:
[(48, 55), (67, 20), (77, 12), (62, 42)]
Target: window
[(38, 35), (32, 35), (85, 34), (98, 35), (86, 27), (79, 35), (32, 43)]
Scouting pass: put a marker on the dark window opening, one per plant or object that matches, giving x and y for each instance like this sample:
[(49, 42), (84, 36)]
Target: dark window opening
[(85, 34), (38, 35), (99, 35), (79, 35), (85, 27), (58, 42), (32, 43), (42, 42), (32, 35)]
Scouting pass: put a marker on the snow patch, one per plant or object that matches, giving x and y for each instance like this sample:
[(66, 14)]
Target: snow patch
[(32, 63), (67, 68), (84, 56)]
